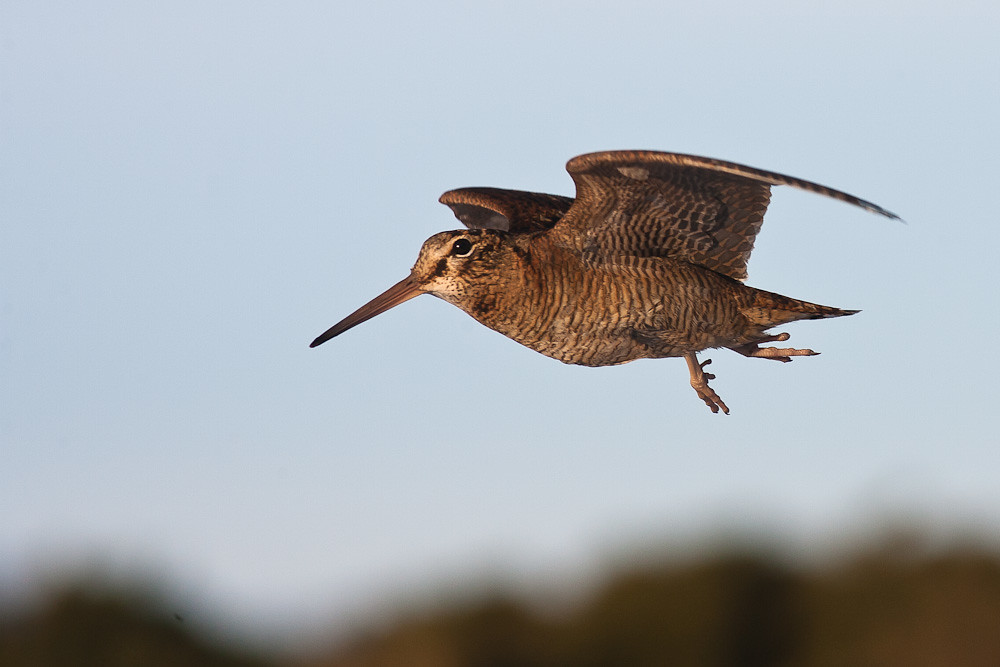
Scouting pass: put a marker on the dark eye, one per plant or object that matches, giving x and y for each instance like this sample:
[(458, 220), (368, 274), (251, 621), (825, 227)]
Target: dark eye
[(461, 248)]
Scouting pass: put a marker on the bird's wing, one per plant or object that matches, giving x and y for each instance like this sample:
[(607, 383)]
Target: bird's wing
[(510, 210), (645, 203)]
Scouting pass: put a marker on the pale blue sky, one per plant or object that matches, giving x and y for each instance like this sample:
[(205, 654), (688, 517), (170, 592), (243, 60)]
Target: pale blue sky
[(190, 192)]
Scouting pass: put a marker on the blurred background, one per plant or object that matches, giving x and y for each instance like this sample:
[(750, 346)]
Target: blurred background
[(190, 192)]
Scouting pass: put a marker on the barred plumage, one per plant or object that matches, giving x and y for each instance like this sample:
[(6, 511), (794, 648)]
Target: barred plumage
[(646, 262)]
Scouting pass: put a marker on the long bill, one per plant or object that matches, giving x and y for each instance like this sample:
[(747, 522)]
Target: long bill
[(404, 290)]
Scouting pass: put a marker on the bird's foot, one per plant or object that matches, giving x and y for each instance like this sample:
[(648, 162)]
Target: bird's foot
[(699, 382), (782, 354)]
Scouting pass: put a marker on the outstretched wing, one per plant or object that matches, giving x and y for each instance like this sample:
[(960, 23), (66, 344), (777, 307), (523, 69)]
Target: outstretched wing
[(704, 211), (509, 210)]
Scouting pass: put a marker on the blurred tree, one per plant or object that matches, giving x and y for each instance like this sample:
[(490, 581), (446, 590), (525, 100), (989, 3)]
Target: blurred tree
[(732, 611), (80, 627), (886, 607)]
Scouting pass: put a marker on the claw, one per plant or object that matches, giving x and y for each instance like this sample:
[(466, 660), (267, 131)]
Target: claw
[(782, 354), (699, 382)]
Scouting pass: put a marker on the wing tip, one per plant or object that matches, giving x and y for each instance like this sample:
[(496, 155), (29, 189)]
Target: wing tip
[(452, 197), (589, 160), (876, 209)]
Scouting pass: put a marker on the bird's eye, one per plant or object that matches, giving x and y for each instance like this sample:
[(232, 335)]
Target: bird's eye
[(461, 248)]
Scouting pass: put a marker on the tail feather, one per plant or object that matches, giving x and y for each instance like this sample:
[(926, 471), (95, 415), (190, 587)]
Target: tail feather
[(767, 309)]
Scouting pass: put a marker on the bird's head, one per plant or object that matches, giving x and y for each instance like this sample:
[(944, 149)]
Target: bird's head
[(450, 266)]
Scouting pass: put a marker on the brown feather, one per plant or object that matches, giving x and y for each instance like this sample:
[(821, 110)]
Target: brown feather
[(508, 210)]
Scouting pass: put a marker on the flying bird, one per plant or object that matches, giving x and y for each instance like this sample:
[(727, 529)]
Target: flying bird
[(647, 261)]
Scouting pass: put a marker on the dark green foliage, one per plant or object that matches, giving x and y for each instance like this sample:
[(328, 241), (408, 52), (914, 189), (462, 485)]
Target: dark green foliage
[(882, 609), (885, 608), (79, 627)]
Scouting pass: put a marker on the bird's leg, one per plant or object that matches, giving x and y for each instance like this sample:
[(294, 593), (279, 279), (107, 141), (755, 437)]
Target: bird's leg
[(699, 381), (782, 354)]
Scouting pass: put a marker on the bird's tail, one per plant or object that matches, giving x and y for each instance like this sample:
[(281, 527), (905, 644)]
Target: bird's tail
[(767, 309)]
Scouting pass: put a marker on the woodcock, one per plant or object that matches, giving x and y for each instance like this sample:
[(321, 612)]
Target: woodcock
[(646, 262)]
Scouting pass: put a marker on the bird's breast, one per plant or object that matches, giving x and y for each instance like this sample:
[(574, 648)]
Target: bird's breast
[(599, 314)]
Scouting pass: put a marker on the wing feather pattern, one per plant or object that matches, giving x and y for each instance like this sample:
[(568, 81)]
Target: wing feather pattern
[(510, 210), (651, 204)]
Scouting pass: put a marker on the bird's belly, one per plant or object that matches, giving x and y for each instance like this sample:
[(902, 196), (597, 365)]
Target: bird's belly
[(604, 322), (608, 346)]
